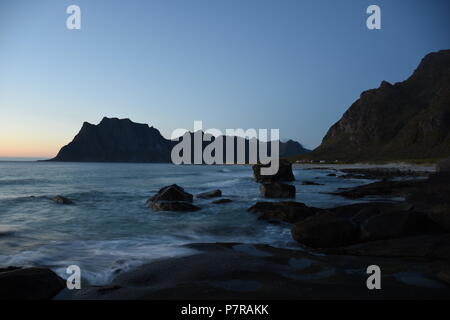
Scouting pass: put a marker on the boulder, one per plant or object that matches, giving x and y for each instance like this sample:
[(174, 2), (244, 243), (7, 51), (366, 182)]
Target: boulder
[(311, 183), (288, 211), (29, 284), (171, 193), (365, 214), (173, 206), (277, 190), (423, 246), (284, 173), (210, 194), (172, 198), (325, 230), (62, 200), (395, 224), (221, 201)]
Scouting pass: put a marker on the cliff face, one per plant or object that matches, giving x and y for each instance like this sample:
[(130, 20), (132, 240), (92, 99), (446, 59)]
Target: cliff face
[(407, 120), (121, 140)]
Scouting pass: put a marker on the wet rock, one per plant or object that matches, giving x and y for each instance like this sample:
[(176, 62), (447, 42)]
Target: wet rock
[(172, 206), (221, 201), (382, 188), (62, 200), (171, 193), (325, 230), (423, 246), (210, 194), (365, 214), (172, 198), (277, 190), (29, 284), (288, 211), (311, 183), (394, 225), (284, 173)]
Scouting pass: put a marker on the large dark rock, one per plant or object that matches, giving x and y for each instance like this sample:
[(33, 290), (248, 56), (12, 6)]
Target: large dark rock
[(210, 194), (29, 284), (284, 173), (423, 246), (394, 224), (172, 198), (277, 190), (289, 211), (171, 193), (405, 120), (325, 230)]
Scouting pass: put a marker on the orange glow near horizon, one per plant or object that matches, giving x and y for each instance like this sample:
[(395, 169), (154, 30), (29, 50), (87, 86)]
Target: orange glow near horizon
[(28, 147)]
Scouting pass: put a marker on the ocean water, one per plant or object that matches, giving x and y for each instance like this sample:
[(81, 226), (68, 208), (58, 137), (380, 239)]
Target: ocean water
[(110, 229)]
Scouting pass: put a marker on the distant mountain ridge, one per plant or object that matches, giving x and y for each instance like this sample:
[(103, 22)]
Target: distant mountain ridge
[(121, 140), (407, 120)]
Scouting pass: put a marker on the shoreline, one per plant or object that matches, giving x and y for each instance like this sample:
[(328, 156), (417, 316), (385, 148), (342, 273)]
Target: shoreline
[(401, 166)]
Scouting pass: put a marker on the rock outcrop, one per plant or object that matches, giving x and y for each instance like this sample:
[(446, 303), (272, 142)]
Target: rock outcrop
[(284, 173), (210, 194), (29, 284), (289, 211), (325, 230), (172, 198), (277, 190)]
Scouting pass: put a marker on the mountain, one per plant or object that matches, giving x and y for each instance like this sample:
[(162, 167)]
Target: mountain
[(121, 140), (406, 120)]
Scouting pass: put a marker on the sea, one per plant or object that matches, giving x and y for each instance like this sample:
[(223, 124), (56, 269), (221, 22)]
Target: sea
[(109, 229)]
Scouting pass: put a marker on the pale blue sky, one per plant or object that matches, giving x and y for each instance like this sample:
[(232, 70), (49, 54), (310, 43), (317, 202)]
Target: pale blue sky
[(294, 65)]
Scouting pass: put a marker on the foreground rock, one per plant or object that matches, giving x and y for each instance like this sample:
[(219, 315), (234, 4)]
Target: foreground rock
[(243, 271), (172, 198), (62, 200), (424, 246), (222, 201), (396, 224), (29, 284), (289, 211), (210, 194), (171, 193), (284, 173), (325, 230), (277, 190)]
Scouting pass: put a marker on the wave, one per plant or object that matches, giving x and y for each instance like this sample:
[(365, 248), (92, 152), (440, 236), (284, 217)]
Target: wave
[(99, 261), (21, 182)]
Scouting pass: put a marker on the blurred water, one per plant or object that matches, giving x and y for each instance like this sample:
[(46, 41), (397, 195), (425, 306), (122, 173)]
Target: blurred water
[(110, 229)]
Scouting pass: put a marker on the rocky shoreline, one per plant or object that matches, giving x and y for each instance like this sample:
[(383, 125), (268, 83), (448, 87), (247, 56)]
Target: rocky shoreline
[(408, 239)]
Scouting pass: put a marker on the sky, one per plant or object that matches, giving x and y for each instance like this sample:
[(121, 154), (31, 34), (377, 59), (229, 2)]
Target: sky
[(295, 65)]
